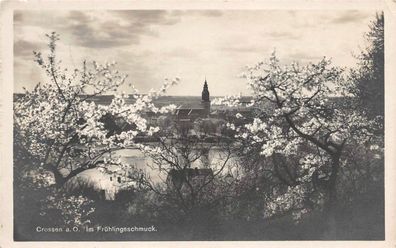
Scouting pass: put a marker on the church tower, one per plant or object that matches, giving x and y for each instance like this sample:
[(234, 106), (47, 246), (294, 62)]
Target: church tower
[(205, 98)]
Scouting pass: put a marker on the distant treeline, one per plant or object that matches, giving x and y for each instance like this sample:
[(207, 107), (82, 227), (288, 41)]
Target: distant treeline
[(160, 101)]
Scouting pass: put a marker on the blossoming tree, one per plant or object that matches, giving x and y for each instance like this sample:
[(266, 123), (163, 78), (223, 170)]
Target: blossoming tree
[(60, 125), (63, 132), (304, 120)]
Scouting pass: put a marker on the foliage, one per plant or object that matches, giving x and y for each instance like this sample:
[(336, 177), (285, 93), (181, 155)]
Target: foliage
[(71, 211), (369, 76)]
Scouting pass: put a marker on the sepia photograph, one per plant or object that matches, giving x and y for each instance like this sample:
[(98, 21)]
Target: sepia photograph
[(198, 124)]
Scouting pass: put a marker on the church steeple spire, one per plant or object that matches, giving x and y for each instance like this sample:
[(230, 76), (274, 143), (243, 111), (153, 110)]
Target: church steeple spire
[(205, 92)]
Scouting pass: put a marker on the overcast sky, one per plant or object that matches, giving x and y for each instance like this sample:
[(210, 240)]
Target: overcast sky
[(152, 45)]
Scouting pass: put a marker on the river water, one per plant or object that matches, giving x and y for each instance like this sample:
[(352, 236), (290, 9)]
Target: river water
[(111, 184)]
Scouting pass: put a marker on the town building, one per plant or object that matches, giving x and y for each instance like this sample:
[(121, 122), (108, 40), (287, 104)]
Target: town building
[(190, 111)]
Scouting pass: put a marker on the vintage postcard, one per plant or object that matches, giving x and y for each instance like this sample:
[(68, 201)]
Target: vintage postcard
[(194, 121)]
